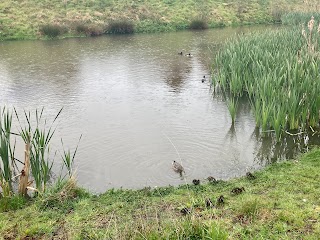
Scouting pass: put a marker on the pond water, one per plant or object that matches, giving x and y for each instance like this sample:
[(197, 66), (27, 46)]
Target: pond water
[(139, 106)]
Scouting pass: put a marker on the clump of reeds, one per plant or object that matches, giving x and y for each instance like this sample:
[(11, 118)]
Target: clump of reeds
[(198, 24), (232, 104), (298, 18), (68, 159), (89, 29), (120, 27), (51, 30), (278, 71), (37, 137), (63, 195)]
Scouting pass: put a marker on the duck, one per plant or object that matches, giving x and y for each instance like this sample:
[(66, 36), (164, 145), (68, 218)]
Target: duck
[(220, 200), (211, 179), (203, 79), (185, 211), (237, 190), (180, 53), (209, 203), (250, 176), (189, 55), (177, 167), (196, 181)]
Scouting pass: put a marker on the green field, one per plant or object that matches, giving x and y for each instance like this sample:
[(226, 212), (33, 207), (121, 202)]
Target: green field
[(24, 19)]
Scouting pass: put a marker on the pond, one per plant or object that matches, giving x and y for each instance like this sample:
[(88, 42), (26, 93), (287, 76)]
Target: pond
[(139, 106)]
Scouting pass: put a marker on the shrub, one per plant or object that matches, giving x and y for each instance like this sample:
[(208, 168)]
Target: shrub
[(198, 24), (51, 30), (81, 28), (89, 29), (120, 27)]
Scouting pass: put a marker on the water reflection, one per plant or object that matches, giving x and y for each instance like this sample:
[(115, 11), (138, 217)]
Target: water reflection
[(268, 150)]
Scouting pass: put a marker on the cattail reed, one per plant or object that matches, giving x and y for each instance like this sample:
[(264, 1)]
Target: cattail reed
[(283, 89)]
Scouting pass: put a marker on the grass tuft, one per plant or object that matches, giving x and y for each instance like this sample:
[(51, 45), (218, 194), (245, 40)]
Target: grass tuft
[(198, 24), (51, 30), (120, 27), (62, 196)]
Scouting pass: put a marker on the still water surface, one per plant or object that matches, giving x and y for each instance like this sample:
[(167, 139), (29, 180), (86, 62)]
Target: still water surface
[(139, 105)]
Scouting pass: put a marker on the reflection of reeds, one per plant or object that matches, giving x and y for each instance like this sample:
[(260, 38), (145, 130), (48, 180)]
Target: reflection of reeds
[(283, 89)]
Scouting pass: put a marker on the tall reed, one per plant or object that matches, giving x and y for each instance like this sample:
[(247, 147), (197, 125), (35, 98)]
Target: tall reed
[(232, 104), (6, 154), (68, 159), (279, 71), (39, 138)]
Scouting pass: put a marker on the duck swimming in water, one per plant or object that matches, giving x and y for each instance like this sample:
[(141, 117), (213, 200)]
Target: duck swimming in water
[(177, 167), (189, 55), (180, 53)]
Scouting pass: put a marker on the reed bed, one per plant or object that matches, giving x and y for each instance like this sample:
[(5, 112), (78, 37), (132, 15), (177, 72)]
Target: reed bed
[(298, 18), (279, 72)]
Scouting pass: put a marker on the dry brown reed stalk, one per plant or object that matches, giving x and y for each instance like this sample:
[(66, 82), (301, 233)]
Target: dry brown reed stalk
[(311, 44), (24, 177)]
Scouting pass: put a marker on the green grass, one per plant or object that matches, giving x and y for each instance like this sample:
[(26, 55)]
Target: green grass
[(23, 19), (281, 203)]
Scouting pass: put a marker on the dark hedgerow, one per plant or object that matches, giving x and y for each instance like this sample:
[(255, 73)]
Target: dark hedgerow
[(120, 27), (198, 24), (51, 30)]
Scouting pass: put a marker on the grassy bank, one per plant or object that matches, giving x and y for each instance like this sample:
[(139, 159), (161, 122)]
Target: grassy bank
[(30, 19), (282, 202)]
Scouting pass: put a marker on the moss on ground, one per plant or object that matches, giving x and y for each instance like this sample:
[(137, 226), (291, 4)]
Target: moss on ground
[(282, 202)]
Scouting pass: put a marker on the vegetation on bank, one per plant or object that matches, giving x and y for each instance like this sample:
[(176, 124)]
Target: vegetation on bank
[(33, 174), (281, 202), (299, 18), (29, 19), (279, 72)]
